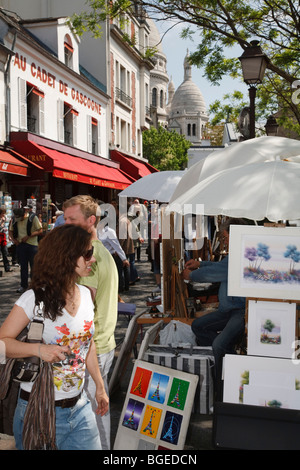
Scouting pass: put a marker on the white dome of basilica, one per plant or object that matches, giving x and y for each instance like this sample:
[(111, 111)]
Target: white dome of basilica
[(187, 99), (154, 38)]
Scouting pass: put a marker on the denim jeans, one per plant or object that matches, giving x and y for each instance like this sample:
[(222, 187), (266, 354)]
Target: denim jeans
[(221, 330), (26, 254), (76, 427), (133, 271), (103, 422)]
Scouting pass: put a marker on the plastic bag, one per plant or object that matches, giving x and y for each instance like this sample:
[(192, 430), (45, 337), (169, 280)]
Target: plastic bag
[(176, 333)]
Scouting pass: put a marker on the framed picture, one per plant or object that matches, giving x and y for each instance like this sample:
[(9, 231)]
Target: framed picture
[(264, 262), (271, 328), (157, 408), (124, 354), (262, 381)]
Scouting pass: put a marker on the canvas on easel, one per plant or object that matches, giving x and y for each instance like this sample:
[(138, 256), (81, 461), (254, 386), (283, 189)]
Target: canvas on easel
[(157, 408)]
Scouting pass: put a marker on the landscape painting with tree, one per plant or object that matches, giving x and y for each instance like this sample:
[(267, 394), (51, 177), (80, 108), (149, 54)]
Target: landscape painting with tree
[(264, 262)]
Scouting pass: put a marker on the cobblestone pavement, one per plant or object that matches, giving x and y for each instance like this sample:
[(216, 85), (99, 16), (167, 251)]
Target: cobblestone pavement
[(200, 429)]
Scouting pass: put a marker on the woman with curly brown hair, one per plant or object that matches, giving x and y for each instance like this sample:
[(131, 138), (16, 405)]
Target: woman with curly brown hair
[(64, 255)]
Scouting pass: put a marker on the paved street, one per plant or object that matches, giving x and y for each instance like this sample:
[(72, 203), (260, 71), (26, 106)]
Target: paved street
[(200, 429)]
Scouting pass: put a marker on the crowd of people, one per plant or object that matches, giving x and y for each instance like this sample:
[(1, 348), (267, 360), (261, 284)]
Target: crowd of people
[(74, 275), (78, 270)]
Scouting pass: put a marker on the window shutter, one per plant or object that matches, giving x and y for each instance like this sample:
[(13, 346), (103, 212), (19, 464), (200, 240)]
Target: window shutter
[(99, 138), (89, 134), (74, 130), (22, 104), (42, 115), (60, 121)]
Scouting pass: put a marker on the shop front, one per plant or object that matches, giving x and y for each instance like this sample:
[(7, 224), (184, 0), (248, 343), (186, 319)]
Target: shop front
[(67, 171), (136, 168)]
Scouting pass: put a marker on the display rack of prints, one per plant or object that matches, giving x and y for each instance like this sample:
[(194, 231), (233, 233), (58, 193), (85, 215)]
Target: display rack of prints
[(157, 409)]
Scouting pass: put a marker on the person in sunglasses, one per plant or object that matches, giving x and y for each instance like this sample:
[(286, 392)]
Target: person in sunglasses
[(63, 256), (84, 211)]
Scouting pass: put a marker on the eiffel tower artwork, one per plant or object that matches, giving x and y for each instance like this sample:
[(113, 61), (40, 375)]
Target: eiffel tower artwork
[(169, 435), (130, 422), (176, 400), (149, 425), (156, 392), (171, 428), (138, 387)]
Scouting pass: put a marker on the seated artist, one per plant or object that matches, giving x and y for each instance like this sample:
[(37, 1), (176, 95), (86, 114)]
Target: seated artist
[(222, 328)]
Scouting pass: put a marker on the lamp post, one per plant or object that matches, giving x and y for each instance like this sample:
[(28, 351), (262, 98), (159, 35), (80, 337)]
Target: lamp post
[(271, 126), (253, 62)]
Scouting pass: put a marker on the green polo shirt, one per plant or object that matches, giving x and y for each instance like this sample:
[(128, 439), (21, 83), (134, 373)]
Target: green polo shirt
[(104, 277)]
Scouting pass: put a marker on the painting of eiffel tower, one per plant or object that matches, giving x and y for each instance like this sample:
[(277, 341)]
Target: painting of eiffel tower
[(151, 421), (140, 382), (171, 428), (132, 414), (178, 393), (176, 400), (158, 386)]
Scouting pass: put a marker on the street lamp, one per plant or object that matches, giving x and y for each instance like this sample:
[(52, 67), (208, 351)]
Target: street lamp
[(271, 126), (254, 63)]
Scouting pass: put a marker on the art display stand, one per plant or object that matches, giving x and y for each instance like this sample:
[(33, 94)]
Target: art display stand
[(261, 400), (156, 410)]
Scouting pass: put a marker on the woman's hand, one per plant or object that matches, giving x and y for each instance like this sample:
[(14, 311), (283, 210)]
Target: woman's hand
[(102, 401), (53, 352)]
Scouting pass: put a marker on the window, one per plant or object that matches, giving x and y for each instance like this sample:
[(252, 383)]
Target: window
[(93, 132), (161, 98), (31, 108), (67, 123), (154, 97), (68, 51)]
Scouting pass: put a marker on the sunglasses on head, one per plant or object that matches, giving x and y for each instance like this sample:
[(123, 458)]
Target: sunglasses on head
[(88, 254)]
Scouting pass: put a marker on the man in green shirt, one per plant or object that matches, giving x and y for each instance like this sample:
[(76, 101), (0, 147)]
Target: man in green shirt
[(24, 230), (103, 281)]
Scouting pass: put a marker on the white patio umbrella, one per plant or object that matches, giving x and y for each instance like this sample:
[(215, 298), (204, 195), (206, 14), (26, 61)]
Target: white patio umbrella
[(239, 154), (260, 190), (159, 185)]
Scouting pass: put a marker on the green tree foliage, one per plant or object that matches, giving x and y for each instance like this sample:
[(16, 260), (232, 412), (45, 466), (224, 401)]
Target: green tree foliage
[(216, 27), (165, 150)]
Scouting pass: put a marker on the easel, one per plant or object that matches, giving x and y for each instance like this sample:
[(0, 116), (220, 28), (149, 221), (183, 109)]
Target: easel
[(175, 291)]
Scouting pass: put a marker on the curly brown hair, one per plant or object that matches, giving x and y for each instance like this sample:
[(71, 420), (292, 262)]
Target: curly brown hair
[(54, 268)]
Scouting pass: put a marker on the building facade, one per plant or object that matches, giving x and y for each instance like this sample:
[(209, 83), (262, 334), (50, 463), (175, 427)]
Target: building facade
[(61, 104)]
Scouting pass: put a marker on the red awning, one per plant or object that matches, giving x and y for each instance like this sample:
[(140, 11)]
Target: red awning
[(135, 168), (11, 164), (65, 166)]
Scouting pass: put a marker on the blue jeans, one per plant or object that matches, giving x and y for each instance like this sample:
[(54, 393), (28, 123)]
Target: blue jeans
[(133, 271), (26, 254), (76, 427), (221, 330), (103, 422)]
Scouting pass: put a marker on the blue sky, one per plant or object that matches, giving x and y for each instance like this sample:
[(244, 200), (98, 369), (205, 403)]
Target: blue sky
[(175, 49)]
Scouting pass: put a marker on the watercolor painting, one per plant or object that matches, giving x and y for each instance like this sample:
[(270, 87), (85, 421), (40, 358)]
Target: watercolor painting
[(271, 328), (133, 413), (264, 262), (271, 260), (246, 377), (158, 387)]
